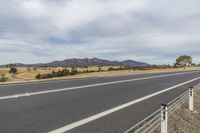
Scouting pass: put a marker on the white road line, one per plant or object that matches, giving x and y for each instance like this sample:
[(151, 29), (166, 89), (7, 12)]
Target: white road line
[(112, 110), (87, 86)]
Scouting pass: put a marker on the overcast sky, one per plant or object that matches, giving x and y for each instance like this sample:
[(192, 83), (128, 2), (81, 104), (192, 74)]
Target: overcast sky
[(153, 31)]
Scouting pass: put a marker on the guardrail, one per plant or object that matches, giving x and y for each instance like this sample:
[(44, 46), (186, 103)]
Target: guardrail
[(160, 117)]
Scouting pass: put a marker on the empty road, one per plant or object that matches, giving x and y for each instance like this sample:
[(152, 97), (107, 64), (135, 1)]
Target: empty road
[(90, 105)]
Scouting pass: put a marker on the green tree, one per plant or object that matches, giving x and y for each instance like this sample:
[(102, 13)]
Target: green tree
[(183, 61), (13, 70)]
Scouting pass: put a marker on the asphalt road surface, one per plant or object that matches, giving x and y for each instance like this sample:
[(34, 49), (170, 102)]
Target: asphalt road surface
[(90, 105)]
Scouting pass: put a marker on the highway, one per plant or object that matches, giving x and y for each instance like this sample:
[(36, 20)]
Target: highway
[(91, 105)]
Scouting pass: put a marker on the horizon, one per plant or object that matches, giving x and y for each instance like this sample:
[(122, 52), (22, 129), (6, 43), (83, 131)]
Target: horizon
[(74, 58), (154, 32), (88, 58)]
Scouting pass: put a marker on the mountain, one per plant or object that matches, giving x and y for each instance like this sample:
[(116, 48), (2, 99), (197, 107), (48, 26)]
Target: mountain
[(94, 62), (134, 63), (85, 63), (14, 65)]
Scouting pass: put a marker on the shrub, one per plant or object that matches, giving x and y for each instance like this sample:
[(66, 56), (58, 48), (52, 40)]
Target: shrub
[(3, 79), (59, 73), (100, 69), (73, 71), (65, 72), (111, 69), (38, 76), (13, 70)]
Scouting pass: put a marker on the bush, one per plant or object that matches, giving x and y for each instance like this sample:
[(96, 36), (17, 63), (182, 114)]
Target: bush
[(38, 76), (73, 71), (100, 69), (59, 73), (13, 70), (65, 72), (3, 79), (111, 69)]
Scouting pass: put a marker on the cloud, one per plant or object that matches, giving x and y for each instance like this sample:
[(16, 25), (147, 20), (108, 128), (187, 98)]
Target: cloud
[(155, 31)]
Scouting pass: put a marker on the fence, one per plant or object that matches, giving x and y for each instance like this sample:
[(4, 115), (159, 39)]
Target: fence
[(160, 117)]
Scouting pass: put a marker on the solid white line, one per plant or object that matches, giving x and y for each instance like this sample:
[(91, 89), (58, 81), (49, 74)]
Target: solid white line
[(112, 110), (87, 86)]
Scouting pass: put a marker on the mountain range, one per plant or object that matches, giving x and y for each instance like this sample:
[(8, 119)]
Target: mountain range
[(75, 62)]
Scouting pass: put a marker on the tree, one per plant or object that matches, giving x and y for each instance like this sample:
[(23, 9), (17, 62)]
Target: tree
[(183, 61), (13, 70)]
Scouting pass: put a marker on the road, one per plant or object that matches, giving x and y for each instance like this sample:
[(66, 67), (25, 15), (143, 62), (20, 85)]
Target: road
[(90, 105)]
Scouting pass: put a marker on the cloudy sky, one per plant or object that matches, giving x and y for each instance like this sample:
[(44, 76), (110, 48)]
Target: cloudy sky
[(153, 31)]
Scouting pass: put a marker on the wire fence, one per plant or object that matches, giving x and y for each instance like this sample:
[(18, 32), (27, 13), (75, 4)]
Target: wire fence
[(159, 117)]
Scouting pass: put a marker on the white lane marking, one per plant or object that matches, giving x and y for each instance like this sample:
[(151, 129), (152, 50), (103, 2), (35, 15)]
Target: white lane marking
[(86, 86), (112, 110)]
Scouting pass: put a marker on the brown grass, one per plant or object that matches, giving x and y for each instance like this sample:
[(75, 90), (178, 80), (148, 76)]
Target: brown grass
[(4, 70), (30, 76)]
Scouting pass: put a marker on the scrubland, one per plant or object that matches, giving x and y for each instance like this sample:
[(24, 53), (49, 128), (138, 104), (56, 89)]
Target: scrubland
[(26, 75)]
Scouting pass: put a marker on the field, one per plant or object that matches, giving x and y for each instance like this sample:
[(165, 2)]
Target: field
[(24, 74)]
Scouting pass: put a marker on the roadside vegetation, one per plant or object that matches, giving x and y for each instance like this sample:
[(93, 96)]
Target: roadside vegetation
[(3, 78), (18, 74), (13, 70), (59, 73), (181, 62), (74, 71)]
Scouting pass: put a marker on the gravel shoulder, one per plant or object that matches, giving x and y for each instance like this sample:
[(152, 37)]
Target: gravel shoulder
[(185, 121)]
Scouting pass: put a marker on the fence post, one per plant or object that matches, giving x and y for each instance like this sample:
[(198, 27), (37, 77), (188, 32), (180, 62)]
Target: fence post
[(191, 98), (163, 118)]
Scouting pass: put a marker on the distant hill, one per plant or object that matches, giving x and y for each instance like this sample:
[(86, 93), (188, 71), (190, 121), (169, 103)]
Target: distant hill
[(84, 63), (134, 63)]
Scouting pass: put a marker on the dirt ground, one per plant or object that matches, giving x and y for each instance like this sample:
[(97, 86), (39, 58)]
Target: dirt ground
[(185, 121)]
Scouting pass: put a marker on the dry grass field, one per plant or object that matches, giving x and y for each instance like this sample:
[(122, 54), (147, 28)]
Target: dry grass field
[(23, 75)]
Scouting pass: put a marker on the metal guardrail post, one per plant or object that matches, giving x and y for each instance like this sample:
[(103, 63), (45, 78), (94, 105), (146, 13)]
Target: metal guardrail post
[(191, 98), (163, 118)]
